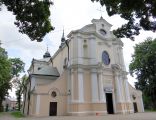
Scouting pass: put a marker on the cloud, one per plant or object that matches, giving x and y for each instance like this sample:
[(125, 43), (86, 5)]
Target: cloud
[(17, 44)]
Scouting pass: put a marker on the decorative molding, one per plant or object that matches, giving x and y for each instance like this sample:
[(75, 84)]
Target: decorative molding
[(108, 89), (75, 66), (105, 43)]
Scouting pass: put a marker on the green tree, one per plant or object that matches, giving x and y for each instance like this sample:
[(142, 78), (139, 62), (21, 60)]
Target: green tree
[(143, 65), (21, 87), (17, 68), (5, 75), (140, 14), (32, 17)]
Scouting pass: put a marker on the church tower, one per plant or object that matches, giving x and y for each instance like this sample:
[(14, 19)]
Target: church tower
[(47, 54), (98, 74), (85, 76)]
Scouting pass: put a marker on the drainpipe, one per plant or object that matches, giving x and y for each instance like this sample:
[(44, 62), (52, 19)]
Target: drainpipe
[(67, 43)]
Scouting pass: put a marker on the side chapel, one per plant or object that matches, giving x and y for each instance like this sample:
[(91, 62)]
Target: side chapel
[(86, 76)]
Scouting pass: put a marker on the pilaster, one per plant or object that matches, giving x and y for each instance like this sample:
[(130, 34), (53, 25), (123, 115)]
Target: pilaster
[(121, 58), (80, 85), (79, 49), (142, 104), (118, 88), (101, 89), (94, 86), (72, 85), (92, 50), (127, 91), (37, 104)]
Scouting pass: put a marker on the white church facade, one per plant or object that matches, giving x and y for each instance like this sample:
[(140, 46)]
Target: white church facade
[(86, 76)]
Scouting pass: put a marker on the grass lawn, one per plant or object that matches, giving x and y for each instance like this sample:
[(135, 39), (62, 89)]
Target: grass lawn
[(150, 110), (1, 113), (17, 114)]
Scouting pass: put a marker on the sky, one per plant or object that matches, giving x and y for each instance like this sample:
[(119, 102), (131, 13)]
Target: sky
[(67, 14)]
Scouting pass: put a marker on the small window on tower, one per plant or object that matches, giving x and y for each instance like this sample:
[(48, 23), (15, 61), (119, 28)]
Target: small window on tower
[(85, 50)]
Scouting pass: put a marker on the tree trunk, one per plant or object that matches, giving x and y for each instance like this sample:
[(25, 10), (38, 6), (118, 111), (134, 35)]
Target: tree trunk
[(19, 100), (1, 107), (154, 104), (19, 105)]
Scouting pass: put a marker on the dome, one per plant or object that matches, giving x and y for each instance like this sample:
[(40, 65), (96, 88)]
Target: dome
[(46, 55)]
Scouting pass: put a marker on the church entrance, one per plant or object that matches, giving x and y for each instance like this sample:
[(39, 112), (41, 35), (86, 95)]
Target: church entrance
[(135, 107), (109, 101), (53, 109)]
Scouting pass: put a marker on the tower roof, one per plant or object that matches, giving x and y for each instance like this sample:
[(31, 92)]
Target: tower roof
[(47, 54), (63, 38)]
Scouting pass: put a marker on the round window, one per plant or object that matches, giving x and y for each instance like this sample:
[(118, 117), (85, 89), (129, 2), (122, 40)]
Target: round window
[(53, 94), (103, 32)]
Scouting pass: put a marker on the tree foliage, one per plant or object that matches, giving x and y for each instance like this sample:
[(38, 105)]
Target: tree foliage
[(9, 68), (5, 75), (17, 67), (140, 14), (21, 87), (143, 65), (32, 17)]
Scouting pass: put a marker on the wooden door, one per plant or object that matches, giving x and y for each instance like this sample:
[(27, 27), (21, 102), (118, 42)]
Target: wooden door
[(135, 107), (53, 109), (109, 101)]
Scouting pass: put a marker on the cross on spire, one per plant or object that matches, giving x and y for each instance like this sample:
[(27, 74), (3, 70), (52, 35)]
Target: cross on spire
[(47, 47), (100, 10)]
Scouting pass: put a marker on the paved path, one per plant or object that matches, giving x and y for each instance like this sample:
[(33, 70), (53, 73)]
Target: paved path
[(136, 116)]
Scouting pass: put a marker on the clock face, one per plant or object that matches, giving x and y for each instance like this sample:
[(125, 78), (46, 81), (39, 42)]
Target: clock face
[(102, 31), (105, 58)]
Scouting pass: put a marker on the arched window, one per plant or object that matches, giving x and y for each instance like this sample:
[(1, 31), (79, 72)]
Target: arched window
[(85, 49)]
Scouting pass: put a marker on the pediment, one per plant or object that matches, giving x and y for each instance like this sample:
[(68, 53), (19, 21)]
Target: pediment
[(88, 28)]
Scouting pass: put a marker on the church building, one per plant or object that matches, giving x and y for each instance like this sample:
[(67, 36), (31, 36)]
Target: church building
[(85, 76)]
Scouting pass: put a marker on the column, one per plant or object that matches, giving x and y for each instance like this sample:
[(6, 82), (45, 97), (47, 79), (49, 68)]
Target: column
[(79, 49), (72, 85), (101, 90), (118, 88), (38, 104), (80, 85), (122, 88), (94, 86), (122, 58), (68, 85), (142, 105), (127, 91), (92, 50)]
